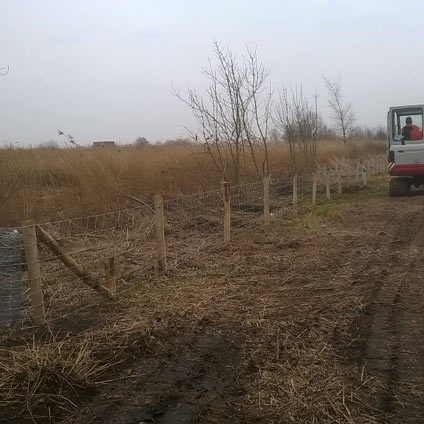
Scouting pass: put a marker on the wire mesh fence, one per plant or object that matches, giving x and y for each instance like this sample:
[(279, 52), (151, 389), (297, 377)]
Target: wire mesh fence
[(82, 261)]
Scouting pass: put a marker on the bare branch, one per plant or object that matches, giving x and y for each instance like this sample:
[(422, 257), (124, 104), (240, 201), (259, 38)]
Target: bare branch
[(342, 112), (297, 119), (233, 117)]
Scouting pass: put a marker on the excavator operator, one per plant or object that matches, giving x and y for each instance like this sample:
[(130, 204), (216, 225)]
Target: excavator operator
[(411, 131)]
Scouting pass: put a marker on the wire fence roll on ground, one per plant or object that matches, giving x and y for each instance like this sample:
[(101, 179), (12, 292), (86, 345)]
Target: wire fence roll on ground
[(52, 270), (11, 270)]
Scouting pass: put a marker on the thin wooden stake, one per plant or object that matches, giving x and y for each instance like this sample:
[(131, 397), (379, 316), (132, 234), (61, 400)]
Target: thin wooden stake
[(267, 217), (227, 211), (339, 180), (160, 232), (110, 281), (31, 256), (314, 189), (295, 194), (358, 167), (364, 175), (327, 185), (348, 169)]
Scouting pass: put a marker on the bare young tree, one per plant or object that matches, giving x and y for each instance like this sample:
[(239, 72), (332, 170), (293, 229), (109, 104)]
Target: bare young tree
[(233, 118), (342, 111), (298, 120)]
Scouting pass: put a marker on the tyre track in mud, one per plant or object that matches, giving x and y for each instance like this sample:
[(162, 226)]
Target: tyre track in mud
[(392, 324), (177, 389)]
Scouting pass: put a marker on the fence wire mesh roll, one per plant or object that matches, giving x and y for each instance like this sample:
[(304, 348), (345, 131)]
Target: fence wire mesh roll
[(193, 227)]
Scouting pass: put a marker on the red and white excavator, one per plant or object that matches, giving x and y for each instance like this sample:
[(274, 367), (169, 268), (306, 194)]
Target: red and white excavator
[(406, 148)]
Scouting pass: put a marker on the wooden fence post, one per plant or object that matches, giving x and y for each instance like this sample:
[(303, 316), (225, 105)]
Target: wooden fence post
[(295, 194), (358, 166), (267, 217), (327, 185), (364, 175), (33, 265), (160, 232), (227, 211), (69, 261), (339, 179), (314, 188), (110, 282), (348, 169)]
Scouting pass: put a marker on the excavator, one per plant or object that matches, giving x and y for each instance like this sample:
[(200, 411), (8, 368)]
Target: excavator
[(405, 149)]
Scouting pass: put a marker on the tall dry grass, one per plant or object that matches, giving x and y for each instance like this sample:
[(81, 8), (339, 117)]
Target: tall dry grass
[(48, 183)]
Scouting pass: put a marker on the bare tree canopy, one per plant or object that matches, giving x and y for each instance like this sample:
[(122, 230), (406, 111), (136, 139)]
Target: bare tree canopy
[(234, 115), (298, 120), (342, 111)]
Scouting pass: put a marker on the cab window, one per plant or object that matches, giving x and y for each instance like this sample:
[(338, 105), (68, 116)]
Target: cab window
[(408, 125)]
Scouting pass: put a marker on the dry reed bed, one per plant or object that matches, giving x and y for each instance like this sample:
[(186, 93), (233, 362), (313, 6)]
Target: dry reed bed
[(46, 184)]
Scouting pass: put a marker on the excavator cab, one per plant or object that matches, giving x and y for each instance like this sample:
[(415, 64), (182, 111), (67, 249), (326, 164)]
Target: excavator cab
[(405, 148)]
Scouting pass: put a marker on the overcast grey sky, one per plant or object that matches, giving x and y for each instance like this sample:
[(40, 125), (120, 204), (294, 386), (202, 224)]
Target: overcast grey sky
[(103, 69)]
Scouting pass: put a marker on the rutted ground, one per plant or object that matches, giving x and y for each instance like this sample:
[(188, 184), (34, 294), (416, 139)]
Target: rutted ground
[(392, 326), (314, 321)]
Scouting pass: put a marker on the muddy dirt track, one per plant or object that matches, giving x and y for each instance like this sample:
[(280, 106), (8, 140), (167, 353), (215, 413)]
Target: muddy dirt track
[(316, 321), (391, 327)]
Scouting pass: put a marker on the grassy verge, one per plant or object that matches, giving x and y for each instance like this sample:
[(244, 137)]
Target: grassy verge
[(351, 197)]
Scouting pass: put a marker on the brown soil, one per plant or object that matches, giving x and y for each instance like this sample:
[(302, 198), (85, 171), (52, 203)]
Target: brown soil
[(314, 321), (392, 323)]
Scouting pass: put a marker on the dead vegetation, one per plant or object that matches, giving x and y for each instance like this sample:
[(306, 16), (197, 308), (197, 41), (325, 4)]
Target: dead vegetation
[(248, 331), (257, 331), (50, 375), (49, 184)]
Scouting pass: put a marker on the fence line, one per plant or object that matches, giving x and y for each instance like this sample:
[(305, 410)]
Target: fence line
[(123, 249)]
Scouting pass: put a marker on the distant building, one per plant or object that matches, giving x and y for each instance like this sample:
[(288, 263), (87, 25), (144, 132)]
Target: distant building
[(104, 144)]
